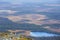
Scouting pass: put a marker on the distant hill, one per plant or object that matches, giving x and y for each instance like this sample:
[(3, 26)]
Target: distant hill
[(6, 24)]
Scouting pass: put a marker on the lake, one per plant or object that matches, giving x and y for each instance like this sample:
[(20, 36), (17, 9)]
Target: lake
[(42, 34)]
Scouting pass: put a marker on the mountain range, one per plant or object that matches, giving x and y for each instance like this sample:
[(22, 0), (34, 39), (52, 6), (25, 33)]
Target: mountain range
[(6, 24)]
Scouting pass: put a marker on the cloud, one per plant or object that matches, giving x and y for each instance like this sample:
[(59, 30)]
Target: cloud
[(43, 9), (7, 11), (37, 19), (28, 17), (51, 21), (33, 18), (52, 4), (52, 29), (46, 27)]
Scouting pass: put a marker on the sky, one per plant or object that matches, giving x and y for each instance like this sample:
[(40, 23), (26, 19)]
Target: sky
[(41, 1)]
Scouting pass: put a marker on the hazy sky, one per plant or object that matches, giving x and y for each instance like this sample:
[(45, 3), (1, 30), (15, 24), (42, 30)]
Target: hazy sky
[(20, 1)]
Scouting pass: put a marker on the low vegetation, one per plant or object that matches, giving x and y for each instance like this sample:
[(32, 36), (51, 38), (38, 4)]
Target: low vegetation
[(7, 36)]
